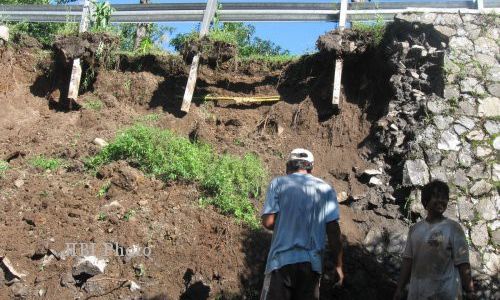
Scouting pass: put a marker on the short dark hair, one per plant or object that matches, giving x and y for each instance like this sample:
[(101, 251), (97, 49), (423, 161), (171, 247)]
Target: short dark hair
[(436, 188), (298, 164)]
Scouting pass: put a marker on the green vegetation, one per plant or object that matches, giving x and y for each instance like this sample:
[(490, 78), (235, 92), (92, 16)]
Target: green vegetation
[(104, 189), (94, 104), (242, 36), (227, 181), (46, 163), (102, 216), (376, 29), (4, 166), (129, 214)]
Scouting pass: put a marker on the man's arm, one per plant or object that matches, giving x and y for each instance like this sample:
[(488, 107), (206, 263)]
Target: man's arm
[(403, 277), (268, 221), (466, 277), (335, 244)]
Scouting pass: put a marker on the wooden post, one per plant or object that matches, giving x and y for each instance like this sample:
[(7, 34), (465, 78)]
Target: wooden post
[(76, 70), (208, 15), (339, 62)]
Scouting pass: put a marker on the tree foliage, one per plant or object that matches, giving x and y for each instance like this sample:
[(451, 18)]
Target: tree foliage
[(239, 34)]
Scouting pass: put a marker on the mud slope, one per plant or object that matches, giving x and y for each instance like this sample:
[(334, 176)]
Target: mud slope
[(196, 253)]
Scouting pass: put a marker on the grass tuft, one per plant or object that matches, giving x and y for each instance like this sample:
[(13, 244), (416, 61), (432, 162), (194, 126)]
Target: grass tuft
[(4, 166), (46, 163), (228, 182), (95, 104)]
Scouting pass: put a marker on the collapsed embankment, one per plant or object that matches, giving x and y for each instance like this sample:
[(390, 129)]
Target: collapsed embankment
[(392, 99)]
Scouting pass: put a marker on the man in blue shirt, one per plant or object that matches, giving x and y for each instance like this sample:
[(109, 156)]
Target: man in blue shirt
[(301, 210)]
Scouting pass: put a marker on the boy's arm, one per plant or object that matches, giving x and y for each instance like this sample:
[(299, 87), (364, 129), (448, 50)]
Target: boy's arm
[(403, 277), (466, 277), (335, 244)]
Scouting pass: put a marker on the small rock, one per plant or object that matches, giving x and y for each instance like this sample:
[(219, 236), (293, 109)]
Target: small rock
[(465, 209), (466, 122), (414, 74), (483, 151), (478, 171), (471, 85), (133, 286), (114, 203), (459, 129), (494, 89), (486, 209), (480, 188), (41, 292), (19, 183), (489, 107), (372, 172), (495, 237), (280, 130), (492, 127), (465, 158), (375, 181), (449, 141), (100, 142), (341, 197), (442, 122), (415, 172), (461, 179), (479, 235), (433, 156), (20, 290), (439, 173), (450, 161), (437, 106), (491, 263), (495, 172), (4, 33), (496, 143), (90, 266), (476, 135)]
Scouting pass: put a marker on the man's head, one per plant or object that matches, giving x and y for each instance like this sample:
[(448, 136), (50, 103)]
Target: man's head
[(435, 196), (299, 159)]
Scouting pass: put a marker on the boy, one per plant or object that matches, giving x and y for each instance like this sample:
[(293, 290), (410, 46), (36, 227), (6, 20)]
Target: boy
[(436, 257)]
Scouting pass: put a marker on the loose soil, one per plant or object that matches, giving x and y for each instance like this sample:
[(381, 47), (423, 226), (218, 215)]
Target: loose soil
[(196, 253)]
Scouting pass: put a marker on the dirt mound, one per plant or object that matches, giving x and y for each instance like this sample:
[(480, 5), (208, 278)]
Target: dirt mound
[(347, 42), (196, 253)]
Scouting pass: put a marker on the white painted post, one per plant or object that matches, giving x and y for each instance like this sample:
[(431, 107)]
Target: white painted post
[(339, 62), (480, 4), (76, 70), (208, 15)]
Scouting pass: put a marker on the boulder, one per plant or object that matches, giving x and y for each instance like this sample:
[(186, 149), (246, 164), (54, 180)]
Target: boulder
[(489, 107), (449, 141), (4, 33), (480, 188), (415, 172), (479, 235)]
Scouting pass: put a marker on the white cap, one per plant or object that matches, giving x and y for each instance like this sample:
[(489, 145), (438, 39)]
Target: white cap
[(301, 154)]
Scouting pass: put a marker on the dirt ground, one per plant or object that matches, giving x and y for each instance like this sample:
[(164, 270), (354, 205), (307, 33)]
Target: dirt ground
[(196, 253)]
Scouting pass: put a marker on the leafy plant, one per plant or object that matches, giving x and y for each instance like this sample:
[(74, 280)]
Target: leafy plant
[(46, 163), (104, 189), (102, 14), (102, 216), (227, 181), (129, 214), (4, 166)]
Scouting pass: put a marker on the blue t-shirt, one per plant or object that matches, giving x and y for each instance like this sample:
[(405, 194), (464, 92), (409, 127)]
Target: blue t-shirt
[(304, 205)]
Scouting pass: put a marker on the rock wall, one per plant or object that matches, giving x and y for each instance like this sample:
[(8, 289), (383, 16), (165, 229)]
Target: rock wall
[(444, 123)]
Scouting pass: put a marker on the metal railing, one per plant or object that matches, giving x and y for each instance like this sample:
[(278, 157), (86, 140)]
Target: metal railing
[(237, 12)]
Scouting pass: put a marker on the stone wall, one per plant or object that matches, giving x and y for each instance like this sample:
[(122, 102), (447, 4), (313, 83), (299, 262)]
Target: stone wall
[(444, 122)]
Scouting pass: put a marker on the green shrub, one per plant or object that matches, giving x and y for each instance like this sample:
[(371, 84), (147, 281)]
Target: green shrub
[(46, 163), (226, 180), (4, 166)]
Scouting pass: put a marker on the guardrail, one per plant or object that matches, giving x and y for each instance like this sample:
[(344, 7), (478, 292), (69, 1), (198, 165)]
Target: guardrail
[(238, 12)]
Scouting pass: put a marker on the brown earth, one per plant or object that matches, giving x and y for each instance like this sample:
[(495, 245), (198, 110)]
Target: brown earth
[(196, 253)]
